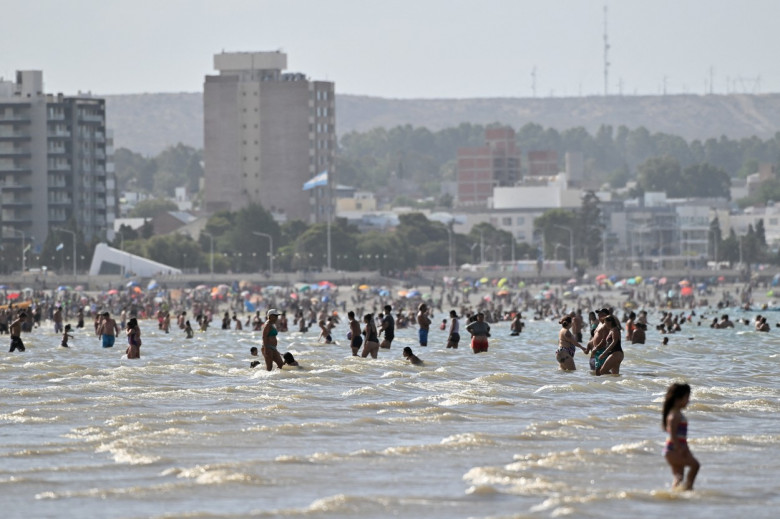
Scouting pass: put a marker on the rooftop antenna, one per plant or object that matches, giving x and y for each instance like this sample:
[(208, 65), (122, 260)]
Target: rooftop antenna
[(606, 54)]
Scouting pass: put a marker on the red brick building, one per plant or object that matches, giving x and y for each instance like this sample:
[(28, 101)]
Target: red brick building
[(497, 163)]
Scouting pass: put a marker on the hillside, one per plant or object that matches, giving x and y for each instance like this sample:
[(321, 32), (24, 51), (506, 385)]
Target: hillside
[(148, 123)]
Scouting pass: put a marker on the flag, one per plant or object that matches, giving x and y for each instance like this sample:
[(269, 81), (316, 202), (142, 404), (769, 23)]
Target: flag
[(60, 247), (319, 180), (27, 248)]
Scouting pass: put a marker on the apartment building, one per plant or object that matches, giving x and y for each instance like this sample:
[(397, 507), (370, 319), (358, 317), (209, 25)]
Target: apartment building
[(267, 132), (480, 169), (54, 163)]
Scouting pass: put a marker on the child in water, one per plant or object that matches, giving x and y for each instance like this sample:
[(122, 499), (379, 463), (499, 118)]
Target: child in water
[(188, 330), (414, 359), (65, 336), (676, 451)]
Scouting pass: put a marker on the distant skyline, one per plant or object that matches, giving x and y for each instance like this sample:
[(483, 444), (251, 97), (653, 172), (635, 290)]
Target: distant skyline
[(402, 48)]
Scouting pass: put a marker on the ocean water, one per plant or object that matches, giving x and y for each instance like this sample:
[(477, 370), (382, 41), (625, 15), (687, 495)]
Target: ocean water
[(191, 431)]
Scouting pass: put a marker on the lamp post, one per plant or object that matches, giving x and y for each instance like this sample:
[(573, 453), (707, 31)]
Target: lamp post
[(73, 235), (211, 255), (271, 250), (571, 243)]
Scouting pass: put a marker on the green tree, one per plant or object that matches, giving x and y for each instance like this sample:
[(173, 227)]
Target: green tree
[(554, 227), (152, 207)]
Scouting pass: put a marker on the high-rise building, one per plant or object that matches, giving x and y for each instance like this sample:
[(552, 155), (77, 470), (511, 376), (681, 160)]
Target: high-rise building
[(267, 132), (54, 167), (496, 164)]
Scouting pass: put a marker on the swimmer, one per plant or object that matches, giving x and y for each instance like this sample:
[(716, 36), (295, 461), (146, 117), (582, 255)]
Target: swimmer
[(253, 351), (65, 336), (371, 344), (269, 349), (289, 360), (480, 331), (566, 345), (188, 330), (414, 359), (454, 336), (355, 339), (16, 332), (676, 451)]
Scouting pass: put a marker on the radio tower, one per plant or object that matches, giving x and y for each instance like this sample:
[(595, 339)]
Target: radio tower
[(606, 54)]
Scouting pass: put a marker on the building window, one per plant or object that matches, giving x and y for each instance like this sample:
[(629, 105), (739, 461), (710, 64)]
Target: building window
[(506, 221), (521, 220)]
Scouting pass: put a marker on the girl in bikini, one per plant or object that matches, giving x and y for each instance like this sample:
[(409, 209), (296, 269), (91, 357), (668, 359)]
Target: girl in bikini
[(676, 451)]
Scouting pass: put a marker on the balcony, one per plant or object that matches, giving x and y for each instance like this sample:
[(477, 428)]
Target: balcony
[(14, 136), (59, 167), (90, 118), (14, 152), (60, 201), (14, 118), (58, 135), (15, 168), (16, 187), (14, 203)]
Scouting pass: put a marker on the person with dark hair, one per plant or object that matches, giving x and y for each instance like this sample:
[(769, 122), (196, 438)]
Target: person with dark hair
[(371, 343), (566, 345), (107, 330), (423, 323), (188, 329), (414, 359), (454, 335), (65, 336), (596, 344), (269, 349), (388, 327), (480, 331), (16, 332), (608, 362), (639, 336), (289, 360), (676, 450), (133, 339), (354, 336)]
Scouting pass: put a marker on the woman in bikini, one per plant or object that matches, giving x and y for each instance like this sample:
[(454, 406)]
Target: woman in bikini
[(609, 361), (269, 349), (676, 450), (566, 345)]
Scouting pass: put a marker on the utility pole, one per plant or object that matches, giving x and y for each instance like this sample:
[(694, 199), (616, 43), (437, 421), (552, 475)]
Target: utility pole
[(606, 54)]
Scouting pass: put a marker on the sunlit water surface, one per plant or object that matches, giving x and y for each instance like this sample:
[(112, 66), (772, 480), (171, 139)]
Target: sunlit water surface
[(190, 430)]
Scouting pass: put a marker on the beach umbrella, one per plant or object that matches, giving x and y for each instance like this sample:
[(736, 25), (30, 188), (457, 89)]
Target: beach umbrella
[(201, 287), (771, 293), (325, 298), (613, 278), (63, 288), (502, 282), (402, 293), (571, 281), (3, 287), (638, 279), (326, 284), (684, 283), (502, 293), (631, 281), (79, 288), (364, 287), (13, 295), (413, 293), (112, 292), (484, 280), (304, 288), (671, 293), (600, 278), (486, 298), (521, 284), (137, 290), (662, 281), (131, 284), (152, 285), (620, 283), (384, 293), (721, 279), (568, 294), (293, 296), (686, 291)]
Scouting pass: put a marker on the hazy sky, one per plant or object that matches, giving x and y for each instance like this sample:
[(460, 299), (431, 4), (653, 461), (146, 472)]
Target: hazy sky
[(401, 48)]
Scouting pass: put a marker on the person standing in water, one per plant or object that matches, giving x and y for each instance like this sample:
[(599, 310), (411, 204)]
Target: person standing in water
[(676, 450), (133, 339), (566, 345), (354, 336), (65, 336), (480, 331), (108, 329), (388, 327), (424, 323), (16, 332), (269, 349), (454, 336)]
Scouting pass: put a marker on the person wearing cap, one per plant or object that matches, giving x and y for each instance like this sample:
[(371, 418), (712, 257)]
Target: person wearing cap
[(480, 331), (269, 350), (107, 330)]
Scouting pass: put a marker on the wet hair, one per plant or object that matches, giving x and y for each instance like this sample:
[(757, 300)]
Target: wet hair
[(368, 318), (351, 314), (288, 358), (453, 313), (132, 323), (566, 321), (408, 351), (612, 321), (254, 363), (675, 392), (388, 308), (67, 327), (253, 350)]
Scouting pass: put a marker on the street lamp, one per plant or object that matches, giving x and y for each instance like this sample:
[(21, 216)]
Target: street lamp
[(211, 255), (271, 250), (571, 243), (73, 235)]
